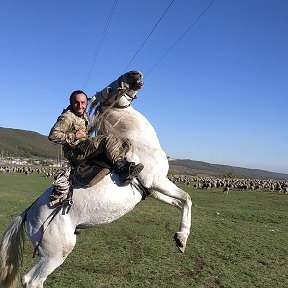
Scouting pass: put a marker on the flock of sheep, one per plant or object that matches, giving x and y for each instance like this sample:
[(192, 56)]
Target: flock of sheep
[(48, 171), (280, 186)]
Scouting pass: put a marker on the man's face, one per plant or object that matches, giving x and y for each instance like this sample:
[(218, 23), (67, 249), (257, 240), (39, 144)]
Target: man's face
[(79, 104)]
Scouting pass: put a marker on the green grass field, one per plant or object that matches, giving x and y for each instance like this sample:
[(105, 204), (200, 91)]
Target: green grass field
[(237, 240)]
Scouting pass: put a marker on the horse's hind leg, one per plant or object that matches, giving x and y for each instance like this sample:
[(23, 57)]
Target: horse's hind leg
[(182, 200), (166, 199), (51, 256)]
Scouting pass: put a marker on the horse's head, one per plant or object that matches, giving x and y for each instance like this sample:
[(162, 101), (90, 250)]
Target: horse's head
[(121, 92), (132, 80)]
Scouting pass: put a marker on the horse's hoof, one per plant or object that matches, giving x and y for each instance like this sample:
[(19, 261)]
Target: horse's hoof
[(182, 249), (77, 231), (181, 239)]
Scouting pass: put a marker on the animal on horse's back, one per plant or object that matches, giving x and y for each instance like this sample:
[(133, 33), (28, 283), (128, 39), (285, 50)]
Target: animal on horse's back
[(53, 233)]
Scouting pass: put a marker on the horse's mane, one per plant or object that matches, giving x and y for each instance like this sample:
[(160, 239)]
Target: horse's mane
[(97, 121)]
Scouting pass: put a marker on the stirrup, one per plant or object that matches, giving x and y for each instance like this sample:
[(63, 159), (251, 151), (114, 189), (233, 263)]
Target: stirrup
[(133, 171)]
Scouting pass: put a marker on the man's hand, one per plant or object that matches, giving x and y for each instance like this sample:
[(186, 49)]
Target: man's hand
[(80, 134)]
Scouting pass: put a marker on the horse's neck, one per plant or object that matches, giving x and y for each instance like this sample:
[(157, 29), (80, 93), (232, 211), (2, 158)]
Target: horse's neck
[(129, 123)]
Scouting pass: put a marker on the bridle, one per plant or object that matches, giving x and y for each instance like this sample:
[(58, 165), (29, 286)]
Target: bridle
[(124, 88), (115, 103), (105, 105)]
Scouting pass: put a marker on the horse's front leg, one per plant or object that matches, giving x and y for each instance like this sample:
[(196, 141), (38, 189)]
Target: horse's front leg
[(179, 198)]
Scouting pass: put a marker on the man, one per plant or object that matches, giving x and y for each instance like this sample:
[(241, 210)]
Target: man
[(71, 130)]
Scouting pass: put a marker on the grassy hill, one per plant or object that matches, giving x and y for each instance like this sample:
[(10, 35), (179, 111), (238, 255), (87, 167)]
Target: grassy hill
[(22, 143), (204, 169)]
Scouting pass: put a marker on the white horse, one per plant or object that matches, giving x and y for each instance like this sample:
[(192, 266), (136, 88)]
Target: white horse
[(53, 233)]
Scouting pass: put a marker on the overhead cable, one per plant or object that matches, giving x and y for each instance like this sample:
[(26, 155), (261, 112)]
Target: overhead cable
[(179, 39), (141, 46), (101, 42)]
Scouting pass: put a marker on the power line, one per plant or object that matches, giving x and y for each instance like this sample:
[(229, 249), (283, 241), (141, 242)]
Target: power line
[(141, 46), (101, 42), (179, 39)]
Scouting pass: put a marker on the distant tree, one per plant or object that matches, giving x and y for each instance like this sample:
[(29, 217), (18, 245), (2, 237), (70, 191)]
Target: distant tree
[(231, 175)]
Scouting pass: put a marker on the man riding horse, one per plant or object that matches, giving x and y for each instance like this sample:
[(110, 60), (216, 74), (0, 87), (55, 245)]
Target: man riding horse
[(71, 130), (53, 234)]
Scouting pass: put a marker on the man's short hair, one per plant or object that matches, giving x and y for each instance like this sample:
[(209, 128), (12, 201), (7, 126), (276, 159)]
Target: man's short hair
[(76, 92)]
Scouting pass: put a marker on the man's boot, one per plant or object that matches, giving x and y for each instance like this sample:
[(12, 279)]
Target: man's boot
[(127, 170)]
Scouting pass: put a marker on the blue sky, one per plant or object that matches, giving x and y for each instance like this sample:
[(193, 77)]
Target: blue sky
[(219, 95)]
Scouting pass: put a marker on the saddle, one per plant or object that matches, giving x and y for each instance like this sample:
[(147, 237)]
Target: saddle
[(90, 172), (85, 175)]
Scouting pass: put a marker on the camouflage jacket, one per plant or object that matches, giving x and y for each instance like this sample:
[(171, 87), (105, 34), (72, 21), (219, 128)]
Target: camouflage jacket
[(63, 131)]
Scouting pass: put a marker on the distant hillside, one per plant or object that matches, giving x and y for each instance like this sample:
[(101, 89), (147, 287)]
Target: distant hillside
[(22, 143), (199, 168)]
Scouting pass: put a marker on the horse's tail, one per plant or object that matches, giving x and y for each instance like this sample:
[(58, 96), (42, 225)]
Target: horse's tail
[(11, 252)]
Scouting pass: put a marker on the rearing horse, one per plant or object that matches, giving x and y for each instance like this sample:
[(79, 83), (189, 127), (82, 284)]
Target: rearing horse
[(115, 115), (53, 234)]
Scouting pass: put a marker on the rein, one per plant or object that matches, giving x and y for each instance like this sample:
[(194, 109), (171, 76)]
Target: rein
[(114, 104)]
